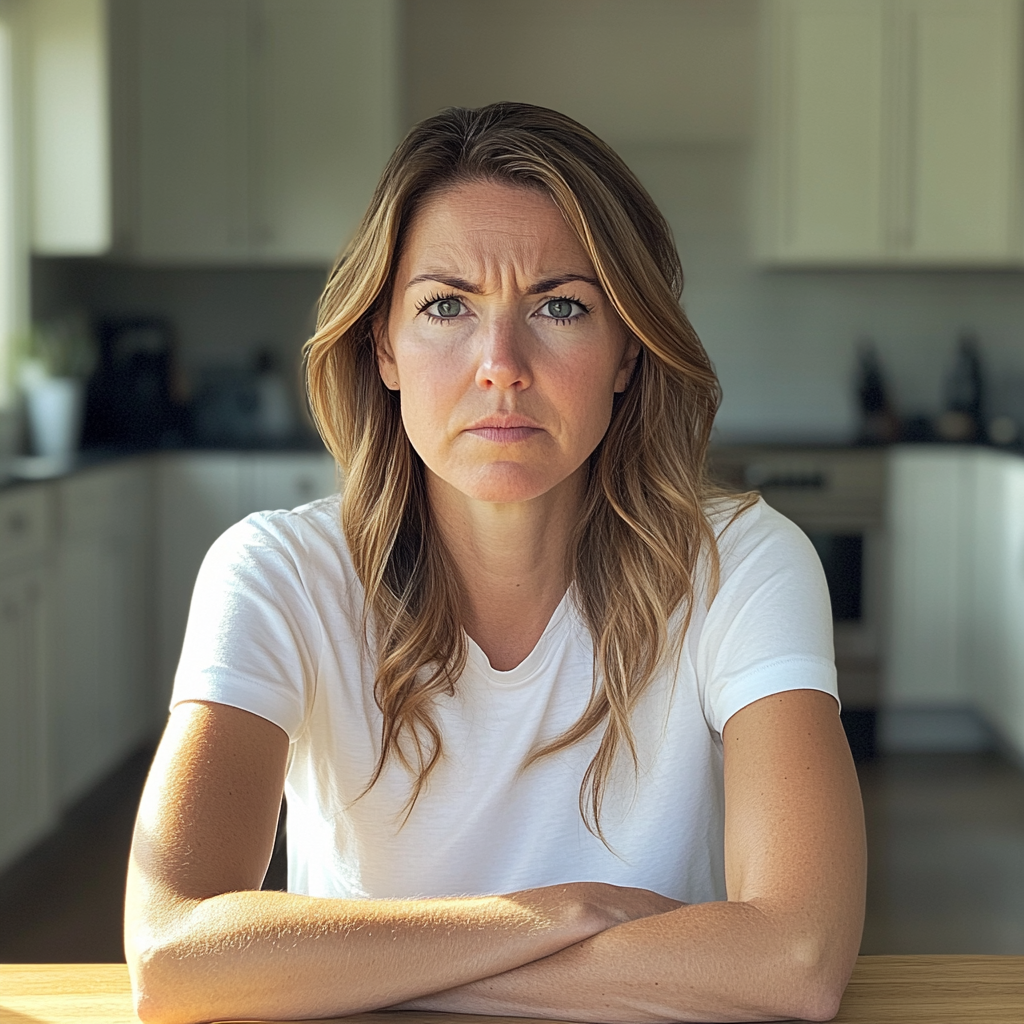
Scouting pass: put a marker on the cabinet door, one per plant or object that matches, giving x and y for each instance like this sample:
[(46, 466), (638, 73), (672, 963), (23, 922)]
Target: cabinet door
[(25, 794), (324, 120), (823, 131), (288, 480), (963, 60), (103, 690), (86, 715), (193, 141), (1012, 723), (929, 518), (998, 620), (987, 552), (70, 127), (199, 497)]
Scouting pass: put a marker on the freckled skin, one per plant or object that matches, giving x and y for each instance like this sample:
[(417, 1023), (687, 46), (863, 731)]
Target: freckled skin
[(504, 352)]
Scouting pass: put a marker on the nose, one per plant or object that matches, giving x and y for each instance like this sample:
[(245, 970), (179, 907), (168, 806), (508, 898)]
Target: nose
[(503, 361)]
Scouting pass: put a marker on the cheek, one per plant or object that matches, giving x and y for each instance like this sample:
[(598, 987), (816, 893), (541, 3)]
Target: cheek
[(585, 390), (429, 392)]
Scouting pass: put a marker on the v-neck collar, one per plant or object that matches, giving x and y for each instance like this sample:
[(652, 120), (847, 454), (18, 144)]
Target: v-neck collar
[(535, 662)]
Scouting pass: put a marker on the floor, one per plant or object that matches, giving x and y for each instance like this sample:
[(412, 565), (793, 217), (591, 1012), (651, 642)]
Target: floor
[(945, 833)]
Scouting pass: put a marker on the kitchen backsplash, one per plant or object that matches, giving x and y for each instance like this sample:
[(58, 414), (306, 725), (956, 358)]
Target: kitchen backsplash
[(784, 342)]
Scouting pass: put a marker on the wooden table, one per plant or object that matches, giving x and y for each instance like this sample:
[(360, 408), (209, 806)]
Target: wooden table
[(883, 990)]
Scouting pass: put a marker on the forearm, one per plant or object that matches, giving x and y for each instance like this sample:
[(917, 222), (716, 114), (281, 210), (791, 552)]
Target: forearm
[(723, 961), (273, 955)]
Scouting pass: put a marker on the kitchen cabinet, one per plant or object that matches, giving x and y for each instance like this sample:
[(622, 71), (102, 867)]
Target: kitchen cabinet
[(96, 575), (211, 131), (26, 802), (929, 524), (891, 133), (994, 630), (284, 480), (201, 494), (102, 701), (956, 585)]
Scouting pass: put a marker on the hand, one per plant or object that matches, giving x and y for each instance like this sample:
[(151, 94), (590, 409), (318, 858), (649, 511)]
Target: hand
[(625, 903), (591, 907)]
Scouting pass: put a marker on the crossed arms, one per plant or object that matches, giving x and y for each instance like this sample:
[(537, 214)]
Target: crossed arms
[(203, 943)]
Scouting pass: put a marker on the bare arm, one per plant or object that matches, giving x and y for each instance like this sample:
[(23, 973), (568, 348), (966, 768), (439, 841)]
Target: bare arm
[(203, 943), (784, 943)]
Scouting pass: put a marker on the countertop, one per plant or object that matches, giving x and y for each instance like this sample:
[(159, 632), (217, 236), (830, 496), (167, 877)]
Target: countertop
[(883, 990), (33, 468)]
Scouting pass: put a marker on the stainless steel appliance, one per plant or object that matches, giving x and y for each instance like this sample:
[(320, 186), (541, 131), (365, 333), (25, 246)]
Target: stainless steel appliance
[(837, 496)]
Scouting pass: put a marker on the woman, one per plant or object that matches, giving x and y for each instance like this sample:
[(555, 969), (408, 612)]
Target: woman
[(556, 722)]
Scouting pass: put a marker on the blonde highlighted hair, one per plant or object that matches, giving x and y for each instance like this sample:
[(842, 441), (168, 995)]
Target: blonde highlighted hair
[(642, 527)]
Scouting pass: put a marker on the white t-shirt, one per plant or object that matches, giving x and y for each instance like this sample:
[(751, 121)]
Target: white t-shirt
[(275, 628)]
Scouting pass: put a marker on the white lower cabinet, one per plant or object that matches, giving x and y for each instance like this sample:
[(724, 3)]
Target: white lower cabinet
[(96, 576), (956, 586), (995, 618), (201, 494), (26, 806), (197, 500), (103, 705), (928, 525)]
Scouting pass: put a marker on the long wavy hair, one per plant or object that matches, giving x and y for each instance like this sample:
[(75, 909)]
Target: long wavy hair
[(636, 554)]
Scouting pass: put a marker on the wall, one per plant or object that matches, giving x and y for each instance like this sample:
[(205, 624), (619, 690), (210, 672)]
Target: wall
[(646, 71), (672, 85)]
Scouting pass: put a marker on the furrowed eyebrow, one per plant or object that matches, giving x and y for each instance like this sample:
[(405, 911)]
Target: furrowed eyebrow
[(551, 283), (547, 285), (451, 282)]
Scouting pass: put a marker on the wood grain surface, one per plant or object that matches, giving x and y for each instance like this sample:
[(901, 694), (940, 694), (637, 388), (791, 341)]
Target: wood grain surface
[(883, 990)]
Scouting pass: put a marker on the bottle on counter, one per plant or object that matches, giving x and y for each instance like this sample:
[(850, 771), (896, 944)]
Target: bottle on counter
[(965, 393), (879, 424)]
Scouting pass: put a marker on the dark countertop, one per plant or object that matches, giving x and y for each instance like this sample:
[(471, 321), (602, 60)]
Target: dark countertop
[(27, 469)]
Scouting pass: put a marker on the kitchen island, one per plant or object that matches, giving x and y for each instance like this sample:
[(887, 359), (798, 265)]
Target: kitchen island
[(883, 990)]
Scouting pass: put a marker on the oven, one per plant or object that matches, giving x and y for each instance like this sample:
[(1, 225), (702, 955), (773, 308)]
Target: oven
[(837, 496)]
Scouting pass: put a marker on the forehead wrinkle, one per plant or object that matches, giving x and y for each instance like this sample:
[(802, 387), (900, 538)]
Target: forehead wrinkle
[(481, 271), (463, 236)]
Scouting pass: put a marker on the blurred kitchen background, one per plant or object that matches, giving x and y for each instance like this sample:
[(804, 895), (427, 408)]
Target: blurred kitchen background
[(845, 184)]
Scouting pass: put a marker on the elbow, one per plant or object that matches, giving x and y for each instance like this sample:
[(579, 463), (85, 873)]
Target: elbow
[(820, 1003), (817, 975), (158, 989)]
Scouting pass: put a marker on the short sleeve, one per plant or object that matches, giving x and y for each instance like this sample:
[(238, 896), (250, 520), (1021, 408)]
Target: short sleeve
[(252, 639), (769, 627)]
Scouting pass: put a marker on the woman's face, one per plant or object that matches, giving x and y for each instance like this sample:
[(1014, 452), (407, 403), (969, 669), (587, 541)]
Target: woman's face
[(502, 343)]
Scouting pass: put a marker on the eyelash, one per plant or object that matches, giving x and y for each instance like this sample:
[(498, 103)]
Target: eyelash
[(568, 298), (427, 303)]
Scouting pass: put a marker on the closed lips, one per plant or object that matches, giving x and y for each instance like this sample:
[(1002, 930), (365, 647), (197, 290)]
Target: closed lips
[(504, 435)]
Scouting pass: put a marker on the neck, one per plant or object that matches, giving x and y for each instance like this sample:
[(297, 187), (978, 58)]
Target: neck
[(511, 560)]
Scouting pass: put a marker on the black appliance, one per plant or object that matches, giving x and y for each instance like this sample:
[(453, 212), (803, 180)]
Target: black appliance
[(130, 399)]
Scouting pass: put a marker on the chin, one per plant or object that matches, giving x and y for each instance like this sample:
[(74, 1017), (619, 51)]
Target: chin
[(505, 485)]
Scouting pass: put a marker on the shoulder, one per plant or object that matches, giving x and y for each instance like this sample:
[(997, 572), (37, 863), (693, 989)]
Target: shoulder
[(305, 546), (757, 535)]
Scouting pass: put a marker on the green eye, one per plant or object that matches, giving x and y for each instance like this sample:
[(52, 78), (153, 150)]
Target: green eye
[(560, 309), (448, 308)]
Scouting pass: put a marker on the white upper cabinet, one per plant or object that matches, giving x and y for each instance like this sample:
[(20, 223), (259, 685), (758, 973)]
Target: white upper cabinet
[(191, 129), (71, 127), (236, 131), (891, 133), (324, 100), (964, 133), (823, 129)]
